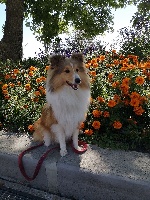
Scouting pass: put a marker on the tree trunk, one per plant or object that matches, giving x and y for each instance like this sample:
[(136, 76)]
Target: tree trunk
[(11, 43)]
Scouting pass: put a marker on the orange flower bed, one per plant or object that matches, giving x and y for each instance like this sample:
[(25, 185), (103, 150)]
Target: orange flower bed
[(120, 91), (119, 103)]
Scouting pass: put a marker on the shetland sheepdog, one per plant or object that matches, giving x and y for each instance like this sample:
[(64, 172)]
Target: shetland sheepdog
[(67, 96)]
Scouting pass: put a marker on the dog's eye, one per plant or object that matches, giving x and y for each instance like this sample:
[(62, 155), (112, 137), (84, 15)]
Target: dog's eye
[(77, 70), (67, 70)]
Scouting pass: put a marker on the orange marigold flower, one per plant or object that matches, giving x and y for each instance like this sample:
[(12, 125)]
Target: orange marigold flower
[(114, 51), (126, 80), (43, 78), (131, 66), (117, 125), (37, 93), (123, 85), (134, 95), (108, 65), (5, 92), (19, 83), (147, 65), (124, 88), (111, 103), (31, 128), (95, 65), (28, 86), (134, 102), (123, 69), (116, 62), (112, 65), (131, 56), (126, 60), (11, 84), (125, 91), (47, 67), (88, 131), (139, 110), (16, 71), (82, 125), (110, 75), (13, 76), (94, 60), (144, 71), (38, 80), (7, 76), (96, 113), (42, 89), (96, 124), (7, 97), (33, 68), (106, 114), (36, 99), (102, 57), (87, 65), (115, 84), (116, 98), (93, 73), (31, 73), (5, 86), (140, 80), (100, 99), (126, 65)]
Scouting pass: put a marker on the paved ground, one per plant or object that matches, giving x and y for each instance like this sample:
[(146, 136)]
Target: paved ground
[(98, 174), (14, 191)]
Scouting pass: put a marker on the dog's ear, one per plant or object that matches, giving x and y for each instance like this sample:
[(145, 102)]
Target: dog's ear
[(78, 57), (55, 60)]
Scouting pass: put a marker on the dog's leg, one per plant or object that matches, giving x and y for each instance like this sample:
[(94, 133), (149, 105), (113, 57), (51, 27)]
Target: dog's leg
[(59, 131), (47, 139), (75, 139)]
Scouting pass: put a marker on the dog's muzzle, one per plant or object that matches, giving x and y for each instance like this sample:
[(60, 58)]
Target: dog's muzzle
[(73, 85), (77, 81)]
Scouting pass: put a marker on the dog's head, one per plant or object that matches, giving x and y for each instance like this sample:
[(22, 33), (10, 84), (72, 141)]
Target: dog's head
[(70, 72)]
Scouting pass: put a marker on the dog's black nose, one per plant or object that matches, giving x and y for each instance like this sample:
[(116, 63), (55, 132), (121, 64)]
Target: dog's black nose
[(77, 80)]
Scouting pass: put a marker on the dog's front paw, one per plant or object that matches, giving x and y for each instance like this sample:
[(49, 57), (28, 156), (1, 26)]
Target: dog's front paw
[(63, 152), (47, 143), (79, 148)]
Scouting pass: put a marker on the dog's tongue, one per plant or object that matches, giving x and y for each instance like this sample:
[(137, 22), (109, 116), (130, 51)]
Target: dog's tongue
[(74, 86)]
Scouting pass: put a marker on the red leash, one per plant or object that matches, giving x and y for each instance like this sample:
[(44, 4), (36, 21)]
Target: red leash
[(39, 164)]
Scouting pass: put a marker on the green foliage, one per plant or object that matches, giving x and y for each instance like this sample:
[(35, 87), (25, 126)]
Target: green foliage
[(22, 87), (119, 112), (2, 1), (53, 17), (136, 40)]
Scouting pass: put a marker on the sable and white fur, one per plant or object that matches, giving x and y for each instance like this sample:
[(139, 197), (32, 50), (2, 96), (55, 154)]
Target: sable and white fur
[(67, 95)]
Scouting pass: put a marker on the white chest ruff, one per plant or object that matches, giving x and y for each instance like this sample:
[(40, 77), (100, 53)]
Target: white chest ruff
[(69, 107)]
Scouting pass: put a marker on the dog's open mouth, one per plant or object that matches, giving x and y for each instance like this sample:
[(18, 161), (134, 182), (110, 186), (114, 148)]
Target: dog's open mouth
[(73, 85)]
